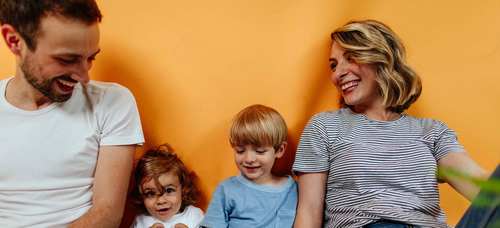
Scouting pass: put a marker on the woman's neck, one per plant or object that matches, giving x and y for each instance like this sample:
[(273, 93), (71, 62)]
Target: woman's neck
[(377, 113)]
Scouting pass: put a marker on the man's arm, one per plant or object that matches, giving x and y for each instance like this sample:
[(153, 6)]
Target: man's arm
[(310, 208), (462, 164), (114, 165)]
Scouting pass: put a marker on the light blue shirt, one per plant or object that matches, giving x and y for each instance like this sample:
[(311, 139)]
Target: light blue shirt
[(240, 203)]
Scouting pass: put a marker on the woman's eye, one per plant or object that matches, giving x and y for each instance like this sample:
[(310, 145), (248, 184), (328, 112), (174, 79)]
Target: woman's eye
[(333, 65)]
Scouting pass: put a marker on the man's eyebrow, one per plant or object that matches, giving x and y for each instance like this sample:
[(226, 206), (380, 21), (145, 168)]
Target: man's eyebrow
[(72, 55)]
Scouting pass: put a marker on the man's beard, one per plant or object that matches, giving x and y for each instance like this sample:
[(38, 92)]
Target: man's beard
[(45, 86)]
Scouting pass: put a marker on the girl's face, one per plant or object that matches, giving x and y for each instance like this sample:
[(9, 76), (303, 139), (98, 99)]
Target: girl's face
[(166, 205), (355, 82)]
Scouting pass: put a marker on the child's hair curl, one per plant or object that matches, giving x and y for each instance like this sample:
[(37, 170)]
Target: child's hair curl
[(156, 162)]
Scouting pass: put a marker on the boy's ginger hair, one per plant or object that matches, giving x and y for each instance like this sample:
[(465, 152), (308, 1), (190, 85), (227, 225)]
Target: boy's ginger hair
[(258, 125)]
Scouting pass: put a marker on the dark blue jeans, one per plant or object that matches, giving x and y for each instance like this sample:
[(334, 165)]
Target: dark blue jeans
[(484, 211)]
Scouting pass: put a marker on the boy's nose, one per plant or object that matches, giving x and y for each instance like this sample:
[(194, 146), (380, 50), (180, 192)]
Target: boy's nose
[(249, 157)]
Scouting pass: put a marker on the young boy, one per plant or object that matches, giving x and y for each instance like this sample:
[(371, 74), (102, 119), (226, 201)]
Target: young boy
[(256, 198)]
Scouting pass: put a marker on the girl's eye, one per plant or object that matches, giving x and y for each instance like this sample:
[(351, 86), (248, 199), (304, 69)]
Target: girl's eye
[(149, 194), (169, 190)]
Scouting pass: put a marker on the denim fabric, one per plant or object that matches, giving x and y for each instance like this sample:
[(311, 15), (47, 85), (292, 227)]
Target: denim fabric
[(479, 215)]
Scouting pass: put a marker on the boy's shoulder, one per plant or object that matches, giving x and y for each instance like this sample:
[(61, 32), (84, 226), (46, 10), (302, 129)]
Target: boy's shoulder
[(240, 184)]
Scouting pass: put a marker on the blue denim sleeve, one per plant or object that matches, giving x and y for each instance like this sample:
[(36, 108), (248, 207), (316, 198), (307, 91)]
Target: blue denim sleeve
[(218, 210)]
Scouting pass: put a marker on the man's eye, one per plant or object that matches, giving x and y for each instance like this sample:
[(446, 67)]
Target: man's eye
[(66, 61)]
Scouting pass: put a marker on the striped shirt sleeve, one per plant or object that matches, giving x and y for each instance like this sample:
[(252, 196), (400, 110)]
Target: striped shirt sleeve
[(446, 141), (313, 151)]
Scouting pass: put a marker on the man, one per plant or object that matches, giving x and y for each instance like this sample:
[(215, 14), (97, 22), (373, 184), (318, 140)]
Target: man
[(66, 143)]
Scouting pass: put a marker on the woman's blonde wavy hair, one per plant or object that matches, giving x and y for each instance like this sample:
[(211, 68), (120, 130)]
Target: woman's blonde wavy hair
[(372, 42)]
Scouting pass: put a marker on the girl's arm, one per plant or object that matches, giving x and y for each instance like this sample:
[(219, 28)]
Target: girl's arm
[(460, 163), (310, 208)]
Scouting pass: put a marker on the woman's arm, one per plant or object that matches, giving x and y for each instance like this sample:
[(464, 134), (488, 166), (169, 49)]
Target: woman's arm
[(310, 208), (462, 164)]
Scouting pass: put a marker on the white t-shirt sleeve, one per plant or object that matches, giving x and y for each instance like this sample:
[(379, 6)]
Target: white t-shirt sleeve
[(118, 117), (194, 216)]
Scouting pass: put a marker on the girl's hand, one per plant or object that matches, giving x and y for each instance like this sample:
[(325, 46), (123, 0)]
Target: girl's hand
[(157, 225), (180, 225)]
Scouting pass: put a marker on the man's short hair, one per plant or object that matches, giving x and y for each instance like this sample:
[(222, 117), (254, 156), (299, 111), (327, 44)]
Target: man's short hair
[(25, 15)]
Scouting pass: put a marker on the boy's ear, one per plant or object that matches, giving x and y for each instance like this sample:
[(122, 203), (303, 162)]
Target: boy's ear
[(281, 150), (12, 38)]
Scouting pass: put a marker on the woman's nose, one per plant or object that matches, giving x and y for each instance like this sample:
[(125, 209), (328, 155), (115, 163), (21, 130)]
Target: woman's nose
[(341, 70)]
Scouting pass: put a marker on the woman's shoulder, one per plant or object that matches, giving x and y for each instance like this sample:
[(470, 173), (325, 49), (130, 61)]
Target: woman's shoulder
[(425, 123), (330, 117), (330, 114)]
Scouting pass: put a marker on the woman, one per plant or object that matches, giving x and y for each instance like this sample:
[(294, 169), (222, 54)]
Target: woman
[(369, 164)]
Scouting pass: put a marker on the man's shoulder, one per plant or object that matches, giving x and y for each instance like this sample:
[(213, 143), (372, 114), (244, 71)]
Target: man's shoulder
[(107, 93), (99, 87)]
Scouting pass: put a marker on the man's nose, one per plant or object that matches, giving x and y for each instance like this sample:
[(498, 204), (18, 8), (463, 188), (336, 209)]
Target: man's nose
[(81, 74)]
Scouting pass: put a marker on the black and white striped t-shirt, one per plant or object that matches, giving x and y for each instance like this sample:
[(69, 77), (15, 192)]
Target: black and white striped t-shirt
[(376, 169)]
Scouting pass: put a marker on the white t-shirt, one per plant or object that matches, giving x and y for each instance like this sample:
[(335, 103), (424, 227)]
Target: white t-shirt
[(48, 156), (191, 217)]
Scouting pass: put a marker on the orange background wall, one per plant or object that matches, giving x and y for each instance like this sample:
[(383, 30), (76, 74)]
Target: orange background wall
[(193, 64)]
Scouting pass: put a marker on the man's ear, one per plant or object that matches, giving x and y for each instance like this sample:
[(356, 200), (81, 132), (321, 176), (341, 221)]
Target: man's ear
[(281, 150), (12, 38)]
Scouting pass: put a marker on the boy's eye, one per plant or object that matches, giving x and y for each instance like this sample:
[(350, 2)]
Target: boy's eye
[(260, 151), (239, 150)]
